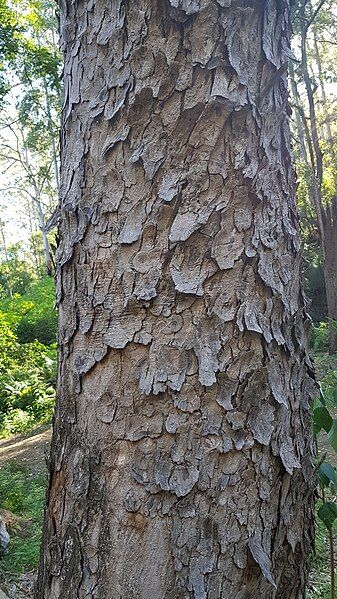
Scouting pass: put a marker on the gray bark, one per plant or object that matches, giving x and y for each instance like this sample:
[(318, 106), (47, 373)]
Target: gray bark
[(181, 459)]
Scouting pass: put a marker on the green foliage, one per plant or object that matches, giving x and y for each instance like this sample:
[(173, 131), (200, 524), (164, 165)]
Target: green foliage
[(26, 48), (320, 337), (328, 513), (320, 573), (17, 421), (40, 320), (23, 495), (332, 435), (9, 31), (33, 313), (16, 274), (29, 122), (322, 419), (27, 366), (326, 473), (324, 423)]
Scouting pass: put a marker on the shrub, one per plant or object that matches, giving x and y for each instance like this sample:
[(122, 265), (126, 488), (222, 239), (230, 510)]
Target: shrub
[(27, 370), (23, 495), (33, 327), (320, 337), (16, 421), (33, 315)]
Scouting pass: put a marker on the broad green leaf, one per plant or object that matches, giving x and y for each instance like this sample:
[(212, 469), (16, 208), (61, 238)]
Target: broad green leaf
[(316, 403), (316, 429), (332, 435), (323, 479), (328, 513), (322, 418), (327, 473), (321, 395)]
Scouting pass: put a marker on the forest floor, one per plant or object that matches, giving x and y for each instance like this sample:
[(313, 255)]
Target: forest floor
[(30, 450), (22, 493)]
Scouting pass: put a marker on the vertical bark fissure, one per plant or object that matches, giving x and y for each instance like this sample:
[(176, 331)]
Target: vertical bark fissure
[(184, 383)]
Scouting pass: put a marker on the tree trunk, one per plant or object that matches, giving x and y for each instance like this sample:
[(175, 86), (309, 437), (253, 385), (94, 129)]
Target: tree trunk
[(4, 246), (329, 262), (326, 115), (181, 456), (299, 128), (44, 234), (330, 269)]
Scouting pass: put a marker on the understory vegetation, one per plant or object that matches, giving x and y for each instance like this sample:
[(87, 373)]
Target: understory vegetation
[(27, 358), (323, 585), (22, 494)]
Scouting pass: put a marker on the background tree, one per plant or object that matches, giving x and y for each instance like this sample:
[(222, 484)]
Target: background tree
[(316, 139), (181, 456), (29, 122)]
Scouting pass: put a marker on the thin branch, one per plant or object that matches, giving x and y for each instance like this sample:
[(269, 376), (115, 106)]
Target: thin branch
[(314, 14)]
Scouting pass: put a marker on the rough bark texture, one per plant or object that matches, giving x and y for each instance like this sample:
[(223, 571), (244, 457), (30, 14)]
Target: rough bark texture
[(181, 462)]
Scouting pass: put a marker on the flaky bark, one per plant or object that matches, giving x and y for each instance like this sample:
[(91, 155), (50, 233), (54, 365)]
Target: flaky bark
[(181, 461)]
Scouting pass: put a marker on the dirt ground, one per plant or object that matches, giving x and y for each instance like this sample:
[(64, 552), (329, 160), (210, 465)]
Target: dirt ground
[(31, 450)]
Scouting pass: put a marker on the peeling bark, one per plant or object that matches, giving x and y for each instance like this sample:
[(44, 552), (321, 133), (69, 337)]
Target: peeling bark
[(181, 460)]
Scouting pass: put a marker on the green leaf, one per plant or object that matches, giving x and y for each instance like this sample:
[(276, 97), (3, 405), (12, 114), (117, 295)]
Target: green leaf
[(321, 395), (328, 513), (322, 418), (332, 435), (326, 474), (323, 479), (316, 428)]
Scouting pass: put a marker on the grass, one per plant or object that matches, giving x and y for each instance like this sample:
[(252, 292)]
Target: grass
[(22, 493), (320, 571), (325, 366)]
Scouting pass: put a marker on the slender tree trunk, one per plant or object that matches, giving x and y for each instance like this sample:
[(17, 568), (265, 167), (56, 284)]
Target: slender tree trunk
[(330, 269), (329, 262), (34, 248), (330, 222), (181, 456), (4, 245), (300, 129), (52, 137), (45, 240), (327, 117)]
